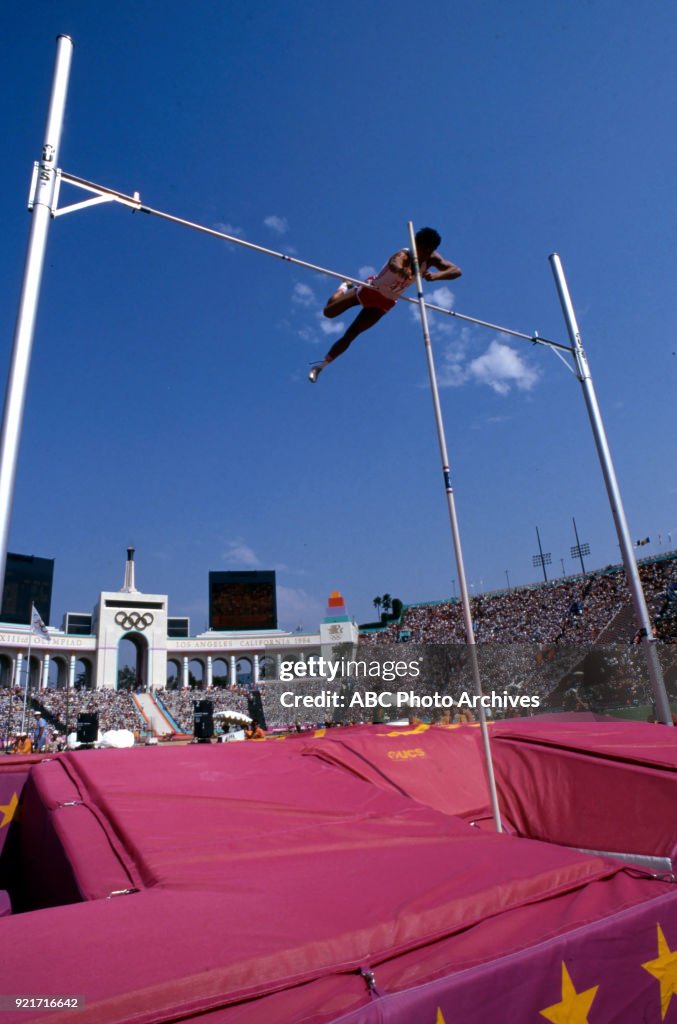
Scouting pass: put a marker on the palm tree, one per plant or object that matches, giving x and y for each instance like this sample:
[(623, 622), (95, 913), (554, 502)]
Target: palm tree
[(127, 678), (387, 603), (378, 601)]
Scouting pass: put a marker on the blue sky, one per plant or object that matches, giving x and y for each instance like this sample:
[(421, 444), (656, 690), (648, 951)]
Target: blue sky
[(168, 406)]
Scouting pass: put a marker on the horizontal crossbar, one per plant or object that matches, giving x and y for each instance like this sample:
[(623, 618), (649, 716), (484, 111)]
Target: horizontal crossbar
[(134, 202)]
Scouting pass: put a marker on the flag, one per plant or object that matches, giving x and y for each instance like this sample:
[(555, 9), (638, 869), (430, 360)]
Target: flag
[(37, 625), (641, 543)]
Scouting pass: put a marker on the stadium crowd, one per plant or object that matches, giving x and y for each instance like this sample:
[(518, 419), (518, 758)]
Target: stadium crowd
[(116, 709), (537, 641), (575, 610), (572, 643), (179, 703)]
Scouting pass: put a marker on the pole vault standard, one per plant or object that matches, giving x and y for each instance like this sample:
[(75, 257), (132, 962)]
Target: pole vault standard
[(663, 711), (455, 532), (44, 182), (43, 203)]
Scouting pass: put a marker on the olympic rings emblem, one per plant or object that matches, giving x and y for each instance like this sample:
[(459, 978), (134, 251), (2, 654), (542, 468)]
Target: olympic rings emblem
[(134, 620)]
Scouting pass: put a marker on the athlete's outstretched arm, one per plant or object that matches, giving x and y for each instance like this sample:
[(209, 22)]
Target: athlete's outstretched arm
[(446, 270)]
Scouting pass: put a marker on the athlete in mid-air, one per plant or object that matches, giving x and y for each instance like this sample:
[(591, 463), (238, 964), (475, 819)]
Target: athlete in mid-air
[(380, 293)]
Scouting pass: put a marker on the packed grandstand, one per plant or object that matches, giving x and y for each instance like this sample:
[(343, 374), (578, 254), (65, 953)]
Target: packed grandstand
[(536, 640)]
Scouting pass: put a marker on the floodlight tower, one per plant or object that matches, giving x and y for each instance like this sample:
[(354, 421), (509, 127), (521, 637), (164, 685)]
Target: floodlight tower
[(541, 558), (578, 549)]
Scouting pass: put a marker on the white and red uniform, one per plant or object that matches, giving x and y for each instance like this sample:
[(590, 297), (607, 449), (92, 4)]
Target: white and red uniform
[(384, 289)]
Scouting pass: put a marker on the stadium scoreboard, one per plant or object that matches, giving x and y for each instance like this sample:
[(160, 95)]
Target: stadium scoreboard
[(240, 601), (28, 580)]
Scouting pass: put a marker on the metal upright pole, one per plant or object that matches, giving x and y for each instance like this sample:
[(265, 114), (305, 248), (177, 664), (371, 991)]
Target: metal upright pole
[(663, 712), (41, 203), (455, 533), (578, 546), (28, 674)]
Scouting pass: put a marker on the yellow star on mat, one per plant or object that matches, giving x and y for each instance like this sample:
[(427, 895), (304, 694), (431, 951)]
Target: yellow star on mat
[(8, 810), (574, 1006), (664, 969)]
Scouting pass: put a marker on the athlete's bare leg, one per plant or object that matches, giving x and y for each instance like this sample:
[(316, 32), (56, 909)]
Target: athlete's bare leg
[(365, 319), (342, 300)]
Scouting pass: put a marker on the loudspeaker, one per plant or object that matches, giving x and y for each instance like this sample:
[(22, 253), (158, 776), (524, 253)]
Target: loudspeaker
[(255, 708), (203, 719), (87, 729)]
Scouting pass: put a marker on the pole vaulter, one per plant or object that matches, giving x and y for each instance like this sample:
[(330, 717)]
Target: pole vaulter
[(43, 203)]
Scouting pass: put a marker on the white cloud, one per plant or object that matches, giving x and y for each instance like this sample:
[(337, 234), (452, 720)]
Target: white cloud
[(441, 296), (452, 375), (453, 372), (297, 608), (364, 272), (501, 368), (440, 326), (229, 229), (239, 553), (328, 329), (303, 295), (330, 326), (280, 225)]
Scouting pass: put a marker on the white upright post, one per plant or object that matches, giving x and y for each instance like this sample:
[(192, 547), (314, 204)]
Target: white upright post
[(663, 712), (455, 533), (28, 674), (42, 202)]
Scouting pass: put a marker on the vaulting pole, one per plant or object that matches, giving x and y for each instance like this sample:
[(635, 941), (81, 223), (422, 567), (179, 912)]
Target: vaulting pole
[(455, 532), (663, 712), (41, 204)]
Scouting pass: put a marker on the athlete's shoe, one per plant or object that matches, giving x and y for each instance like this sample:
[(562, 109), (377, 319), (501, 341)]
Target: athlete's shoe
[(315, 373)]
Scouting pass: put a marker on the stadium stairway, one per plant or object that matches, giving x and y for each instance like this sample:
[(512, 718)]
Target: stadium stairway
[(621, 628), (152, 713)]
